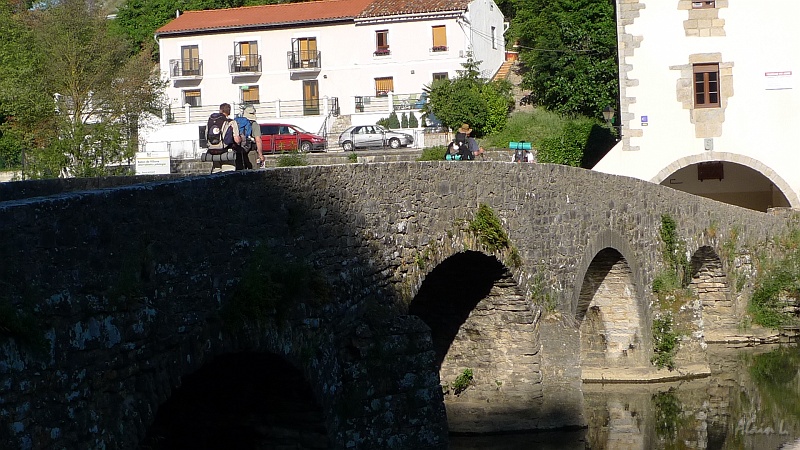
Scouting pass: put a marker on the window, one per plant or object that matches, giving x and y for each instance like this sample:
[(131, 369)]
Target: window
[(381, 43), (440, 76), (494, 37), (383, 86), (192, 97), (304, 53), (250, 95), (703, 4), (246, 54), (190, 60), (706, 85), (439, 39)]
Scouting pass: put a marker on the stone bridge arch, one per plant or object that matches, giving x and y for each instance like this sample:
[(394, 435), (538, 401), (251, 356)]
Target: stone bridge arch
[(610, 306)]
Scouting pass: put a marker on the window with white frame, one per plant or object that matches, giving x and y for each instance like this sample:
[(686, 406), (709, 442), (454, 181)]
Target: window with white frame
[(192, 97)]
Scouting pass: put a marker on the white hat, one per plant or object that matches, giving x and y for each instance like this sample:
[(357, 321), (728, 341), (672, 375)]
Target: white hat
[(249, 112)]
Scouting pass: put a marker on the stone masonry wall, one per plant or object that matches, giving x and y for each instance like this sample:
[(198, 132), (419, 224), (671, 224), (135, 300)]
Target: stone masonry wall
[(126, 286)]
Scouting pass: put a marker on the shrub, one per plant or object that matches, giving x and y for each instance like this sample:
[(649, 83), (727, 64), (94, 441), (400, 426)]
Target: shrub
[(433, 153), (292, 159), (393, 122), (403, 120), (412, 120)]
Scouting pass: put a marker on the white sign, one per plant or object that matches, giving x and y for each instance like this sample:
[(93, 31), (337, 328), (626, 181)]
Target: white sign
[(778, 80), (152, 163)]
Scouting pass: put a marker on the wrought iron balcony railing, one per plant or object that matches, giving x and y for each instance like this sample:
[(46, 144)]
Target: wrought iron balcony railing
[(240, 64), (304, 60), (186, 68)]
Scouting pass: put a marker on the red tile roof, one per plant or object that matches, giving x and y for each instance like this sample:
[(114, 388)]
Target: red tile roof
[(396, 7), (305, 12), (266, 15)]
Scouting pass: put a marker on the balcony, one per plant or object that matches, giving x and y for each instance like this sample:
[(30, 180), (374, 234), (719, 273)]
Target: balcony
[(438, 48), (244, 64), (304, 61), (186, 69), (382, 52)]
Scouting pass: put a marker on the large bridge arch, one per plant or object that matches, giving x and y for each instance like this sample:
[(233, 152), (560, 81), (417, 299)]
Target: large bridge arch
[(689, 182)]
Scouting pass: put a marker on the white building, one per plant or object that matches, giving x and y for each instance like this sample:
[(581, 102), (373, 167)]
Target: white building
[(709, 98), (302, 62)]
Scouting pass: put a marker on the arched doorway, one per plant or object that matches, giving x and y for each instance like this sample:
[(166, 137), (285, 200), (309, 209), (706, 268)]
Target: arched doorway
[(728, 182)]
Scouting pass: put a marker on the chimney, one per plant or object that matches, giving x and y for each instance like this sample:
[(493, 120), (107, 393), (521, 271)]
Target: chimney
[(177, 13)]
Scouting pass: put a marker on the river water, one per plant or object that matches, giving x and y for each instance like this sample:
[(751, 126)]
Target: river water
[(751, 401)]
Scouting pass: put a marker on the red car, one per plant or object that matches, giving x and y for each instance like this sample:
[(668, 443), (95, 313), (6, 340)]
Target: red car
[(282, 137)]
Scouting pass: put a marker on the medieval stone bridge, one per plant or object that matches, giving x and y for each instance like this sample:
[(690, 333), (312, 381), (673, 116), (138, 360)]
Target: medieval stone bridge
[(343, 306)]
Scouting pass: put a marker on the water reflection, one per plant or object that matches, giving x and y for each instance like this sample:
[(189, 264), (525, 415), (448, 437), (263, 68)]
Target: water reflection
[(750, 401)]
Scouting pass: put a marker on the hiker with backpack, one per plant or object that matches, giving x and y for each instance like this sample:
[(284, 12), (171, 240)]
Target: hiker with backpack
[(222, 134), (250, 140)]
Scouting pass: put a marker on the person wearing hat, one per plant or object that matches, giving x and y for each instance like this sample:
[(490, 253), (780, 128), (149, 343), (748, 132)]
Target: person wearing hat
[(256, 157)]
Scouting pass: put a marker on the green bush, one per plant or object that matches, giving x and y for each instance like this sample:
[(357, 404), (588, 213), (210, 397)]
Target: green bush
[(292, 159), (393, 122), (403, 121), (433, 153), (412, 120)]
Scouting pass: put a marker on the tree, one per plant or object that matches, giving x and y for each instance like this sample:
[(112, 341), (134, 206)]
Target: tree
[(393, 122), (412, 120), (468, 98), (403, 120), (97, 92), (569, 49), (23, 104)]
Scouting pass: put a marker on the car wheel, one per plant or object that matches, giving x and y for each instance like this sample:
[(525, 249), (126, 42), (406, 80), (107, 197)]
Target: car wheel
[(347, 146), (394, 143), (305, 146)]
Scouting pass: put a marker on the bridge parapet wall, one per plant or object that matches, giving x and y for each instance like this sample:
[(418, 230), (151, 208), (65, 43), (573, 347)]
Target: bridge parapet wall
[(126, 284)]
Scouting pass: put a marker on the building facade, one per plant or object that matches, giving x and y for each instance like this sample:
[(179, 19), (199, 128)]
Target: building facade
[(309, 60), (709, 98)]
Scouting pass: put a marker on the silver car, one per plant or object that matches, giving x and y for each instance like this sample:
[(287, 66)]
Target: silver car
[(361, 136)]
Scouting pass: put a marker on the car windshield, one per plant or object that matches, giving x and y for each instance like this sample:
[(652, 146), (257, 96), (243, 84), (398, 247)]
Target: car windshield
[(379, 129), (300, 130)]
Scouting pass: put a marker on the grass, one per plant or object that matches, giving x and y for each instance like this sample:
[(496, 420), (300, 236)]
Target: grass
[(292, 159)]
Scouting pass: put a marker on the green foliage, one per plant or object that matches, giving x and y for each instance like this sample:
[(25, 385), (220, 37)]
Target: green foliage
[(487, 227), (403, 120), (558, 139), (668, 415), (433, 153), (412, 120), (481, 103), (674, 250), (665, 341), (393, 122), (352, 157), (570, 51), (270, 287), (292, 159), (462, 381)]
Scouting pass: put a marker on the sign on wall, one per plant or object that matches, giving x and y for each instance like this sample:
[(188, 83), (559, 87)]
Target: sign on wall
[(775, 81), (152, 163)]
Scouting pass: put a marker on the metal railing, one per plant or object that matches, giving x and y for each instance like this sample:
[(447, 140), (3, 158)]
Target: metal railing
[(189, 67), (249, 63), (304, 60)]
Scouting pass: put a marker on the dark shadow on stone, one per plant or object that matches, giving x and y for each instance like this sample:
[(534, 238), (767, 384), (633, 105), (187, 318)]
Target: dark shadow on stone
[(240, 401), (601, 140), (450, 292)]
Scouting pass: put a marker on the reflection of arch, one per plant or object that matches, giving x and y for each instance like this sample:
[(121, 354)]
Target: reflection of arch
[(753, 164)]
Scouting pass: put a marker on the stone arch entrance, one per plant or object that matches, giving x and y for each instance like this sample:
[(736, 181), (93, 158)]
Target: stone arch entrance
[(481, 323), (608, 314), (240, 400), (730, 178), (710, 284)]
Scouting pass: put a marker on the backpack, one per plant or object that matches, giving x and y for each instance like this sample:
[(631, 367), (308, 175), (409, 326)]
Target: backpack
[(519, 156), (246, 132), (219, 134), (453, 153)]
